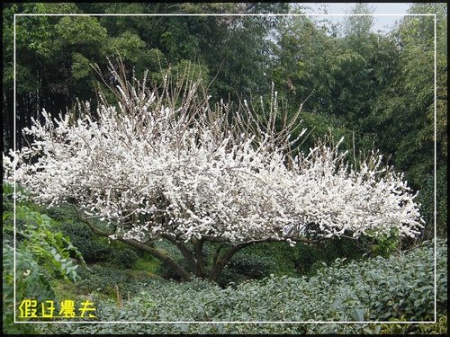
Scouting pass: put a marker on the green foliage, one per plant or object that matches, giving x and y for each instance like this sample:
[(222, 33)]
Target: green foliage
[(129, 45), (148, 264), (80, 31), (278, 257), (80, 66), (383, 245), (244, 267), (92, 247), (123, 256), (426, 198), (37, 237), (104, 279), (359, 26), (310, 258), (302, 66), (31, 282), (41, 252), (405, 108), (393, 289)]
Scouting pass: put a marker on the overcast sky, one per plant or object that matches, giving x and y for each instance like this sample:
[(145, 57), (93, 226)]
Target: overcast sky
[(382, 23)]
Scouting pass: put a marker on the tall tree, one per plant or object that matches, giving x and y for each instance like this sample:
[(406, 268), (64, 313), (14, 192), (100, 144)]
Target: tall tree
[(54, 53), (405, 109)]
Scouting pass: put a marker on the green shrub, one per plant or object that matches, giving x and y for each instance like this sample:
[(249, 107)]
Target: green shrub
[(103, 279), (308, 258), (92, 247), (246, 266), (41, 252), (123, 256), (397, 288), (39, 236), (426, 199), (95, 248), (31, 284), (277, 257)]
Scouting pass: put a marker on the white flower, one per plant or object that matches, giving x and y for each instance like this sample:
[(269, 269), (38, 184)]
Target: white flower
[(196, 179)]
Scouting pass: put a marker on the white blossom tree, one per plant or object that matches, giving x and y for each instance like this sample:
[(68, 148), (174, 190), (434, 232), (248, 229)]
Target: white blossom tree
[(163, 164)]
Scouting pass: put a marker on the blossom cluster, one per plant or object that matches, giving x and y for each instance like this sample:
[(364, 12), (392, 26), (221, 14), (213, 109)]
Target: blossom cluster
[(149, 169)]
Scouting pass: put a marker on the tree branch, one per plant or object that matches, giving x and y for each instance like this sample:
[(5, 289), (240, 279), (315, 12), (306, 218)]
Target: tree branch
[(159, 255), (141, 246), (91, 226), (184, 250)]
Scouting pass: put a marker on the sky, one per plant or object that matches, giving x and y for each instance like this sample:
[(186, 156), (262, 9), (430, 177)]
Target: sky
[(380, 22)]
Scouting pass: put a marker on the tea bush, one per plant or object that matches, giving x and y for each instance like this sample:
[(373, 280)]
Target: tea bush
[(378, 289), (103, 279), (244, 267)]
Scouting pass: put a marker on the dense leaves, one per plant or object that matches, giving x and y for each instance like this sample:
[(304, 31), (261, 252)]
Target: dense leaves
[(406, 107), (40, 253), (398, 288)]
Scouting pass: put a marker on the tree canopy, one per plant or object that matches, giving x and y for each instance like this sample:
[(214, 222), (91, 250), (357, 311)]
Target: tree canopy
[(162, 167)]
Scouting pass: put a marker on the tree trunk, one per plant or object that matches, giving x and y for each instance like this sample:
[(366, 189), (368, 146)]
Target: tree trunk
[(221, 262), (185, 276), (197, 263), (198, 247)]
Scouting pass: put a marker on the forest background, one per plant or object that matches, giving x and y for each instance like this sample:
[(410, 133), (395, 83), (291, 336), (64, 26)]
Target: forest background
[(376, 89)]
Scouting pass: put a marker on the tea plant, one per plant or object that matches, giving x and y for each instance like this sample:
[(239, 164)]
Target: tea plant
[(398, 288)]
